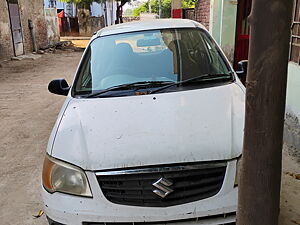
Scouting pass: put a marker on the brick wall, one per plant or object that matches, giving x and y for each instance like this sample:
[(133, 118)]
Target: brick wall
[(202, 12), (189, 14)]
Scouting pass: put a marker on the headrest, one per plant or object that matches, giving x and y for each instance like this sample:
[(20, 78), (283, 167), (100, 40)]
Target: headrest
[(124, 49)]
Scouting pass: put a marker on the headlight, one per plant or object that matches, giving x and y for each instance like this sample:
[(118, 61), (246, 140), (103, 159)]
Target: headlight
[(238, 165), (59, 176)]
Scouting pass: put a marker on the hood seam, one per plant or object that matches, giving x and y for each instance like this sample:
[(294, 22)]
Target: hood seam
[(51, 152)]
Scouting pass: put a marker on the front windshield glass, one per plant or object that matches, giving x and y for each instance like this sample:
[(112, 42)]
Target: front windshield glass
[(168, 55)]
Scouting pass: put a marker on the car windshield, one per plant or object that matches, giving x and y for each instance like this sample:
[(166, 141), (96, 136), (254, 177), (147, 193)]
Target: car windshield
[(156, 56)]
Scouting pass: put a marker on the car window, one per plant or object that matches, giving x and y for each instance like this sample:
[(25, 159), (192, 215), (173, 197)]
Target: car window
[(155, 55)]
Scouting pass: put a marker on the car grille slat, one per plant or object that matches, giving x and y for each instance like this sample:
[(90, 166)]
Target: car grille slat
[(148, 185), (147, 176), (221, 219), (188, 184), (203, 181), (195, 192)]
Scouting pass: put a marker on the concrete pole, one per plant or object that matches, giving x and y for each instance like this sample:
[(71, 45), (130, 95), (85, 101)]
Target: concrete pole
[(159, 9), (260, 175), (32, 34), (149, 6)]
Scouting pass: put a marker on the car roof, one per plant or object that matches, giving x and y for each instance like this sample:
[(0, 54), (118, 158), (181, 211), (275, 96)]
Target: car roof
[(148, 25)]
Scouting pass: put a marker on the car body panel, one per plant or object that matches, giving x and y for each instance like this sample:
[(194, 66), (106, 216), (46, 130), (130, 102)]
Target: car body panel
[(148, 25), (69, 209), (193, 125), (119, 132)]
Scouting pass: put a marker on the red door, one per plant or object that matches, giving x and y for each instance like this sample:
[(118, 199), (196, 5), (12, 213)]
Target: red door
[(242, 32)]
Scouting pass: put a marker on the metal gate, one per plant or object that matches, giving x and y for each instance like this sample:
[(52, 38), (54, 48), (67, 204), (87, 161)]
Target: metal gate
[(16, 29), (242, 31)]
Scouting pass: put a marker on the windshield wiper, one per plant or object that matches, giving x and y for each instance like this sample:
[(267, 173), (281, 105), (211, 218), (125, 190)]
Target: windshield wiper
[(203, 77), (135, 85)]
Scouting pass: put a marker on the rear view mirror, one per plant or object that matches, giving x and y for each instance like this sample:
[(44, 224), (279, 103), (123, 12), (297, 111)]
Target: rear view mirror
[(148, 42), (242, 70), (59, 87)]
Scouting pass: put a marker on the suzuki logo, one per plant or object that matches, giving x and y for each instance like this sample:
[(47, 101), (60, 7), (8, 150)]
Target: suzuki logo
[(162, 186)]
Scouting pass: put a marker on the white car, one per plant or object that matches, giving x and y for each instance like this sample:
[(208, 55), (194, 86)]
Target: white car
[(151, 130)]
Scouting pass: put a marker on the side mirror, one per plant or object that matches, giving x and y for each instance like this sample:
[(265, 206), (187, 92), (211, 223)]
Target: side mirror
[(242, 70), (59, 87)]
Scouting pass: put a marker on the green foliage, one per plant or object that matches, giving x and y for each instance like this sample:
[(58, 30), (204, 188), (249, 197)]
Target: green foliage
[(142, 8), (166, 7), (188, 4), (165, 12), (82, 3)]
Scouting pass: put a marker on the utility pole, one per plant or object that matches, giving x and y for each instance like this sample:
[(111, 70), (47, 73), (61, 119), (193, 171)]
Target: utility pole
[(259, 187)]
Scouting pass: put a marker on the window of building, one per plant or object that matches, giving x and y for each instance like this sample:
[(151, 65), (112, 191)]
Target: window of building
[(295, 37)]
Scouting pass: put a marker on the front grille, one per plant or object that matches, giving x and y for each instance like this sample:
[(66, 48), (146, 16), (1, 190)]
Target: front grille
[(221, 219), (188, 183)]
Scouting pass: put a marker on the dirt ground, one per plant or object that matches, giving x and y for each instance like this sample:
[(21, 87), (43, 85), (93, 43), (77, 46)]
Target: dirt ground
[(290, 187), (28, 112)]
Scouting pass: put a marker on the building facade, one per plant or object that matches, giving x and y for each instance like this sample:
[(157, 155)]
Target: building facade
[(107, 9), (17, 19)]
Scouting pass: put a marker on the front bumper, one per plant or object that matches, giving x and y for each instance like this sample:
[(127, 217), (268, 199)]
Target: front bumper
[(74, 210)]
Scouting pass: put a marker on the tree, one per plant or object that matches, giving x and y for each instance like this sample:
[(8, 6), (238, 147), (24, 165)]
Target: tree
[(154, 4), (140, 9), (186, 4), (166, 7), (260, 174), (82, 3)]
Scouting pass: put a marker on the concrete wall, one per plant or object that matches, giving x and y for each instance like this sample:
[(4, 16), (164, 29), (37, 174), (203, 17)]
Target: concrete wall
[(292, 120), (33, 10), (215, 19), (293, 89), (228, 28), (6, 45), (223, 25), (29, 9), (52, 25), (89, 24), (219, 17)]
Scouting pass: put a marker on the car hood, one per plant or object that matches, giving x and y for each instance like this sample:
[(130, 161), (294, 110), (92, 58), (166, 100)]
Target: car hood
[(186, 126)]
